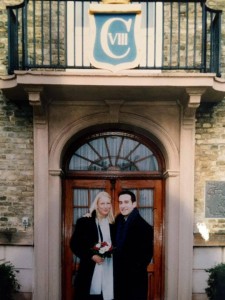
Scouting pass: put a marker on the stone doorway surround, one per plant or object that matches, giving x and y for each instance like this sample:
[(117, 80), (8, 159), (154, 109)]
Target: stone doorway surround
[(163, 106)]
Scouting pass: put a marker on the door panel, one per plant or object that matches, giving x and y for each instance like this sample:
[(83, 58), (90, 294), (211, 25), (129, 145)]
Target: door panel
[(78, 195), (77, 200)]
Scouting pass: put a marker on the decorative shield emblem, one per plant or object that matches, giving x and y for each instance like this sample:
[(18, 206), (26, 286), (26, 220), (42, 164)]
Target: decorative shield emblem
[(115, 36)]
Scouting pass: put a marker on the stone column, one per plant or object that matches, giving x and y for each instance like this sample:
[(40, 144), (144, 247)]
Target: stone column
[(41, 239), (187, 167), (55, 230), (171, 234)]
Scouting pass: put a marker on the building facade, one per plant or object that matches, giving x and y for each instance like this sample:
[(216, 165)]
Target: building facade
[(72, 125)]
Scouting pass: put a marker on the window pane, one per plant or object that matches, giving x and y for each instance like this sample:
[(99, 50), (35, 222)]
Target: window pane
[(146, 197), (93, 193), (147, 214), (78, 213), (77, 163), (113, 144), (82, 199), (115, 152), (100, 146), (127, 146), (87, 152)]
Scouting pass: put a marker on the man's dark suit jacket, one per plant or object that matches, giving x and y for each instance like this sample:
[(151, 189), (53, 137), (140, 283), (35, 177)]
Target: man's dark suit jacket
[(134, 250)]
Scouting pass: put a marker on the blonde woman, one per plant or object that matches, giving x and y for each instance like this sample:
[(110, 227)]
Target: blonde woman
[(95, 274)]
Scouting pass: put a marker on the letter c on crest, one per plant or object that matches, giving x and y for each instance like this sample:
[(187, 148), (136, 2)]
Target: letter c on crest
[(104, 37)]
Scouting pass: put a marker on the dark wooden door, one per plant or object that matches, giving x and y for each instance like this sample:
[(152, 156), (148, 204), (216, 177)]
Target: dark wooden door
[(78, 194)]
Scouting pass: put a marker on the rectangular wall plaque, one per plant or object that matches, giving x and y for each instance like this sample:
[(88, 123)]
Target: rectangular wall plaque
[(215, 199)]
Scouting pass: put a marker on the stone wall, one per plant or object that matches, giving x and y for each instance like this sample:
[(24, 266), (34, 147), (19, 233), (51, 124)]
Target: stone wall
[(17, 152), (16, 171), (57, 51), (210, 158), (3, 39), (220, 5)]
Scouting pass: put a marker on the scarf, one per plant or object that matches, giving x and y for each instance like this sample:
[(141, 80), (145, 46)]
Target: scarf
[(123, 227)]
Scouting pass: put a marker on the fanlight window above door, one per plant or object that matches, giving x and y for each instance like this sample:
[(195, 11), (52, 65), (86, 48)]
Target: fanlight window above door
[(113, 152)]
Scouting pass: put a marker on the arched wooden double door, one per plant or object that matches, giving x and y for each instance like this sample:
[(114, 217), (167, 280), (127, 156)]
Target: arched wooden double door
[(80, 189)]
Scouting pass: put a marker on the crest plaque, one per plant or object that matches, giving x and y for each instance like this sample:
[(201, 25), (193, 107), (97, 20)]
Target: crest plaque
[(115, 36)]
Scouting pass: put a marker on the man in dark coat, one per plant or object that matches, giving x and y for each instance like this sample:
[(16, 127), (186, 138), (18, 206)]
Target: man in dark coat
[(134, 250)]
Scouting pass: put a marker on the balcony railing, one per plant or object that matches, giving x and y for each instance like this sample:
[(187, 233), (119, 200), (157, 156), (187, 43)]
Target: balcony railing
[(175, 35)]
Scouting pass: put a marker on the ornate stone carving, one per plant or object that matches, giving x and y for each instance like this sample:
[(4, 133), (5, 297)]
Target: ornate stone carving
[(37, 101)]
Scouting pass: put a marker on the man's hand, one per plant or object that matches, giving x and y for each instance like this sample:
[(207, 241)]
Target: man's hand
[(97, 259)]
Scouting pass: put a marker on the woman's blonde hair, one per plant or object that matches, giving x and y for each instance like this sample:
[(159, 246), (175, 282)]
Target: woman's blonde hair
[(94, 204)]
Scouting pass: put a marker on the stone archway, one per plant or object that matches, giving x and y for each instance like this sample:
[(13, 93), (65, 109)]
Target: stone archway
[(178, 205), (172, 183)]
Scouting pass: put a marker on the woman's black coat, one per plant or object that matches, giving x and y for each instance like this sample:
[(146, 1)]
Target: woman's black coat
[(134, 250), (83, 239)]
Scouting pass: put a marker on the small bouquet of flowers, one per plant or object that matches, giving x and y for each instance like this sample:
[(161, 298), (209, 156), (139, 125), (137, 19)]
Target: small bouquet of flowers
[(103, 249)]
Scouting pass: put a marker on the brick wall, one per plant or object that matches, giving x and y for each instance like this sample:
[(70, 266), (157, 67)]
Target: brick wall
[(16, 152), (3, 38), (220, 5), (16, 165), (215, 4), (209, 158)]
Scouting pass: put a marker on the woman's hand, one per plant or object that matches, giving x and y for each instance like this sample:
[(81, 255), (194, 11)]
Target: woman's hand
[(97, 259), (87, 215)]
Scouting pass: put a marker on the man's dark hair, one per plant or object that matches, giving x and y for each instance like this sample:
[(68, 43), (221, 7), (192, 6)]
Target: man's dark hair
[(132, 195)]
